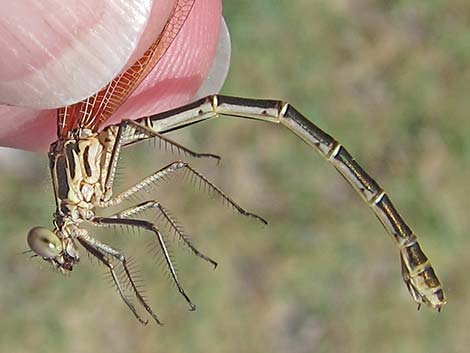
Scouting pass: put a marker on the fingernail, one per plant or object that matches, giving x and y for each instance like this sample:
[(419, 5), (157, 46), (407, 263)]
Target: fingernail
[(54, 52)]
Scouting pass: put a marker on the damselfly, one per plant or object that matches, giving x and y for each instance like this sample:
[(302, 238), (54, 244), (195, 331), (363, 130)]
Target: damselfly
[(83, 162)]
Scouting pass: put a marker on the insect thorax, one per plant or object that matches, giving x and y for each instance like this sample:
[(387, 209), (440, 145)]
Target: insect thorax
[(76, 167)]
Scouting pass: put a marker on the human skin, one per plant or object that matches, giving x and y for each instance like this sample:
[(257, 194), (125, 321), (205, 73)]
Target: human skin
[(48, 69)]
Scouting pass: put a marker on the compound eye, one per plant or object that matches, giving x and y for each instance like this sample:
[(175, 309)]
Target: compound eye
[(44, 242)]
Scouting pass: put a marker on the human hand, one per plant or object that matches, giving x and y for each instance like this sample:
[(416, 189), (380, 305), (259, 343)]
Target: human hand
[(53, 55)]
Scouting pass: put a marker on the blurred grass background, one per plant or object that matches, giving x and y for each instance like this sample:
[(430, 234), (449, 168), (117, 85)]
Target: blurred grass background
[(390, 80)]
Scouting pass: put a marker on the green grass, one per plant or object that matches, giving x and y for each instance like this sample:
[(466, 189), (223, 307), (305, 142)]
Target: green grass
[(391, 82)]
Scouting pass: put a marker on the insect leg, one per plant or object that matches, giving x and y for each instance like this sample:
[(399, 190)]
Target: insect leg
[(102, 251), (128, 133), (169, 170), (170, 220), (102, 221)]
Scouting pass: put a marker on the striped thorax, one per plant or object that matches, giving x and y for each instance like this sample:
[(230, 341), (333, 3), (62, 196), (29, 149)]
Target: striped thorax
[(77, 165)]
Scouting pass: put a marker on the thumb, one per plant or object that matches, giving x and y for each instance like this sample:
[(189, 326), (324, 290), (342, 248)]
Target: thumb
[(34, 129), (54, 53)]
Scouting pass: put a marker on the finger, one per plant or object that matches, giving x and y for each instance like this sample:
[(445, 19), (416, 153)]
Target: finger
[(173, 82), (180, 73), (54, 53), (215, 79)]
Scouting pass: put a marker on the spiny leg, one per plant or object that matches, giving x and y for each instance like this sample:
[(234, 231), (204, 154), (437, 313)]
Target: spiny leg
[(170, 169), (140, 132), (160, 175), (127, 133), (103, 221), (426, 285), (153, 204), (101, 251)]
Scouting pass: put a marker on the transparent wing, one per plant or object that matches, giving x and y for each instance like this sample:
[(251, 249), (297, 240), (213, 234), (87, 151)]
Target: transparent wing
[(94, 111)]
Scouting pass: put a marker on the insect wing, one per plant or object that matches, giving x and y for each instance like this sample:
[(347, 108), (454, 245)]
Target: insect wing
[(95, 110)]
